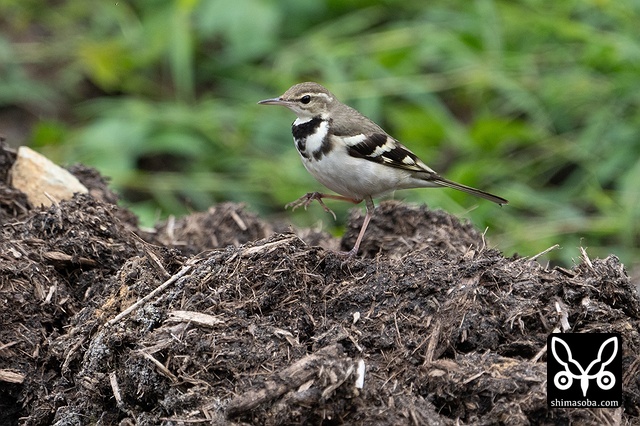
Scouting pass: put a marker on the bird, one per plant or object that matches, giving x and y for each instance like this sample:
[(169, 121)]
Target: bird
[(353, 156)]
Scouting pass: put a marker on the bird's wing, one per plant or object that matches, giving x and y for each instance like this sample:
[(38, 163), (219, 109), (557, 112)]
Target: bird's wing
[(382, 148)]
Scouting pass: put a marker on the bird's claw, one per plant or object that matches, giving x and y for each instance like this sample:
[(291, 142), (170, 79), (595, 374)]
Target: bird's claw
[(307, 199), (348, 255)]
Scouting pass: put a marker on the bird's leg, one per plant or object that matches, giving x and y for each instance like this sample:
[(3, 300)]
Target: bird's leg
[(367, 218), (308, 198)]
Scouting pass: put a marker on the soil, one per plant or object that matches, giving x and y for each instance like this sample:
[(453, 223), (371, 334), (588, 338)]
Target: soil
[(223, 318)]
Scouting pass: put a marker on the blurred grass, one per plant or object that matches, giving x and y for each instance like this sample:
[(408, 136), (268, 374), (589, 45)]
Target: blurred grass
[(535, 100)]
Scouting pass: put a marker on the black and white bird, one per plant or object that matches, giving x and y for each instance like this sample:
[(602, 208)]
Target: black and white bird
[(351, 155)]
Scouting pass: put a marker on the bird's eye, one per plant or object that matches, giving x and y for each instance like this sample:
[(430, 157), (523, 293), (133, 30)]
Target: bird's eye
[(305, 99)]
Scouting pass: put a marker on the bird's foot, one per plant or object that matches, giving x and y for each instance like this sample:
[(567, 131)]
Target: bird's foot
[(347, 255), (347, 258), (307, 199)]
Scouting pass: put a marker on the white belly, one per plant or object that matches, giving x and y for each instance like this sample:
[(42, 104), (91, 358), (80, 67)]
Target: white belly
[(358, 178)]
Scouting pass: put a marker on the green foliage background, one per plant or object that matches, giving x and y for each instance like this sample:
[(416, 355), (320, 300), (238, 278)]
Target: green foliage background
[(535, 100)]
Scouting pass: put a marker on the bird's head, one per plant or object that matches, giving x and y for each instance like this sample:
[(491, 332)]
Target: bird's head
[(306, 100)]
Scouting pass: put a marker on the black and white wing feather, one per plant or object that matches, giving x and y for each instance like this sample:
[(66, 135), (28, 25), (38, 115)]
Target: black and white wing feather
[(382, 148), (374, 144)]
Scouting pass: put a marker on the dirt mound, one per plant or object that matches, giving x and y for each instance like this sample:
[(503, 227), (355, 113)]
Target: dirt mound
[(215, 318)]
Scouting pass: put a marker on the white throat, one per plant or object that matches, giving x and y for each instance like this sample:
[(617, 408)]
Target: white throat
[(302, 120)]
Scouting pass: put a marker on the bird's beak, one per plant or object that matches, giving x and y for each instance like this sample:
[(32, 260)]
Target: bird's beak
[(274, 101)]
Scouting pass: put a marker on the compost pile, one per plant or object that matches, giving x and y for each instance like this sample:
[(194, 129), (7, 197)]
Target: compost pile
[(222, 318)]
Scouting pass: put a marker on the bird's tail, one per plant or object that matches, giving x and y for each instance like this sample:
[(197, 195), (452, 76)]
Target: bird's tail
[(469, 190)]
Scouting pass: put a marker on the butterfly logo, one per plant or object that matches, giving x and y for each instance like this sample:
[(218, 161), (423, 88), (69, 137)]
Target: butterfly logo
[(573, 370)]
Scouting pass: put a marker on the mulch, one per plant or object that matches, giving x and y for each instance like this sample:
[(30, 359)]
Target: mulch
[(221, 317)]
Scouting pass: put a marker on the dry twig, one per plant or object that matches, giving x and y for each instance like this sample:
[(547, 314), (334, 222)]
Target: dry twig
[(288, 379)]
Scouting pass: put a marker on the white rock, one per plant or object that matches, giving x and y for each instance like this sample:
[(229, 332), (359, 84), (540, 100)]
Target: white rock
[(34, 174)]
